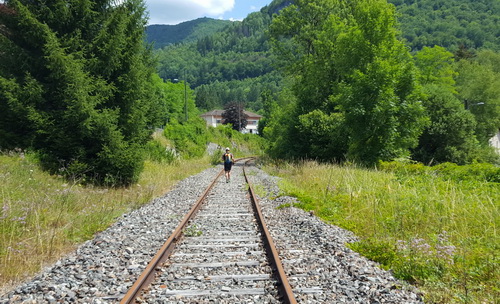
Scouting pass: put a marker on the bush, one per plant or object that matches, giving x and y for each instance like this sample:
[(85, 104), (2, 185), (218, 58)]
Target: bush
[(159, 153), (189, 138), (120, 166), (475, 172), (479, 172)]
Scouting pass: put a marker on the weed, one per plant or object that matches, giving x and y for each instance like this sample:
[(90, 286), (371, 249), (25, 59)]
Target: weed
[(433, 226), (192, 231)]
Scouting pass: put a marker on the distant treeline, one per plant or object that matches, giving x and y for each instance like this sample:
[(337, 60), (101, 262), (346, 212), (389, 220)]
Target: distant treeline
[(230, 64), (161, 35)]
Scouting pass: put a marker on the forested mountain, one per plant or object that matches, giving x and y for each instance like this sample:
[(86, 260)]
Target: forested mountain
[(231, 65), (236, 64), (450, 23), (163, 34)]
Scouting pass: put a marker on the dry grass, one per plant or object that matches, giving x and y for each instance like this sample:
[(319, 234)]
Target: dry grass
[(43, 217)]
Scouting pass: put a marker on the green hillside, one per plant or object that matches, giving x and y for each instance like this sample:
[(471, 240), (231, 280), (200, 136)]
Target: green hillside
[(235, 62), (162, 34), (232, 64), (450, 23)]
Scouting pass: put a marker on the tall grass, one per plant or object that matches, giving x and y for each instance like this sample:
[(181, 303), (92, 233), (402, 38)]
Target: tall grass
[(43, 217), (437, 232)]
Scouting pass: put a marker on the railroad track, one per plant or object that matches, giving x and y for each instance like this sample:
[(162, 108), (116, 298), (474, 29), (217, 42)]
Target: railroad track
[(221, 251)]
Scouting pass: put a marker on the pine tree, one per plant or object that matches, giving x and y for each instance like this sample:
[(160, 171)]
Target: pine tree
[(79, 76)]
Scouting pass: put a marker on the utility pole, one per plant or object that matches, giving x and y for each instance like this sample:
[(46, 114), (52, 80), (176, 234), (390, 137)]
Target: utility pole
[(185, 97), (239, 116)]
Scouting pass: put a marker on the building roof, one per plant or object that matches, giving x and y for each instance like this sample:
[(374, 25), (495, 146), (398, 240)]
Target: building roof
[(219, 113)]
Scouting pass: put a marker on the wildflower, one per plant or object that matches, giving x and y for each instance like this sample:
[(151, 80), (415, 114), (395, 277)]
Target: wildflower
[(5, 211), (20, 219), (421, 246), (401, 245), (444, 249)]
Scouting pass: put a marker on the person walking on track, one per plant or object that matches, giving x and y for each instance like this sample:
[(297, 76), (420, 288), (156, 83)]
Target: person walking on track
[(228, 163)]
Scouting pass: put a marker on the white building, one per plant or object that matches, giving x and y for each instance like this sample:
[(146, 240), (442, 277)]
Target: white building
[(495, 142), (214, 118)]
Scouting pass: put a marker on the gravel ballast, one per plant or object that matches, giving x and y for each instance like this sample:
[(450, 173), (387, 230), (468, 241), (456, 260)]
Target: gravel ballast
[(321, 268)]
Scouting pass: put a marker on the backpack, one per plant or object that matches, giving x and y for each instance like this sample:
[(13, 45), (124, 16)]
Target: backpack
[(227, 158)]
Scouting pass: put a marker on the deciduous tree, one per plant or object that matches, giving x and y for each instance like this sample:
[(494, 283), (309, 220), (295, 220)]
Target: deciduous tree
[(234, 114), (478, 85), (349, 64), (450, 135)]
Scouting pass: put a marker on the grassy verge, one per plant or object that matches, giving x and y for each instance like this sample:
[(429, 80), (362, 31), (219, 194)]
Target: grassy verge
[(436, 228), (43, 217)]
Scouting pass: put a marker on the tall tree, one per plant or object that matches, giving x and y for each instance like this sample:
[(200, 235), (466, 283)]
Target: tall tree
[(78, 74), (350, 67), (478, 85), (450, 135), (234, 114)]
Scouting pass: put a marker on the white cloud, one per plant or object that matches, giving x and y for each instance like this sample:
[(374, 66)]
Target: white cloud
[(175, 11)]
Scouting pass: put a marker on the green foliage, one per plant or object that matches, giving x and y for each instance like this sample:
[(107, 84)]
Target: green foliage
[(161, 35), (433, 226), (79, 80), (192, 231), (348, 64), (481, 172), (189, 138), (157, 152), (323, 134), (435, 66), (277, 129), (449, 23), (457, 130), (215, 159), (15, 128), (450, 135), (173, 99), (377, 250), (233, 64), (474, 172), (240, 144), (478, 86)]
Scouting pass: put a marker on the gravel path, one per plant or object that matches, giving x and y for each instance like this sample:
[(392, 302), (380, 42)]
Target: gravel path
[(321, 268), (222, 259)]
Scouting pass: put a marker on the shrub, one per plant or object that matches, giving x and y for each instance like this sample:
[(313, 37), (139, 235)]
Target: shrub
[(189, 138), (159, 153), (483, 172)]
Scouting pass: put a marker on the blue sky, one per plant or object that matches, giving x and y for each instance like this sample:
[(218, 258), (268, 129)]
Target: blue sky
[(177, 11)]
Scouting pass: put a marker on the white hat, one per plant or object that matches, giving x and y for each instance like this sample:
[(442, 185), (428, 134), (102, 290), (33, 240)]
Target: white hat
[(227, 149)]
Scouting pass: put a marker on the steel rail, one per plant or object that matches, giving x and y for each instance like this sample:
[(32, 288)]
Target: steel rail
[(149, 273), (162, 255), (285, 290)]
